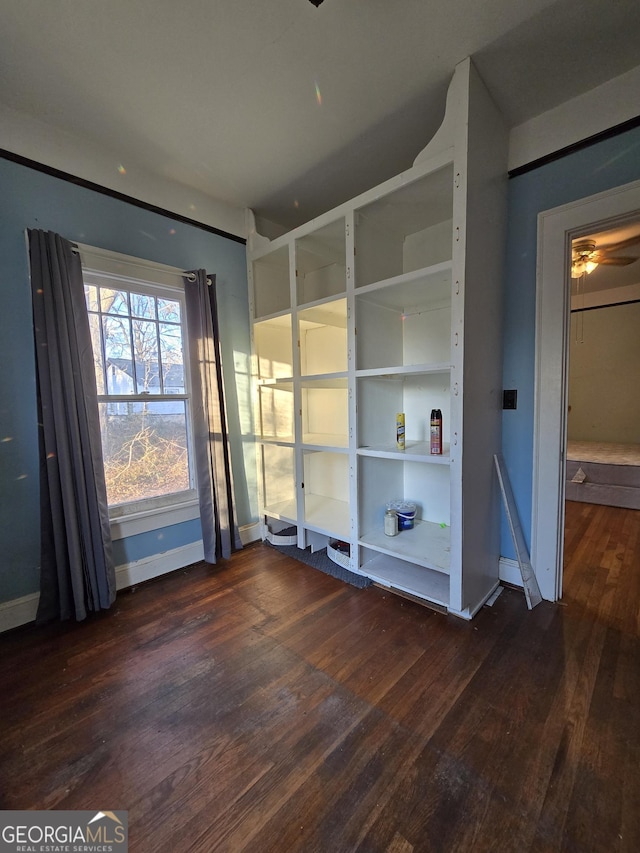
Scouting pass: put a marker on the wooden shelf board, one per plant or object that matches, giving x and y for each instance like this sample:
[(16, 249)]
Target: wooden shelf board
[(403, 576), (272, 316), (325, 440), (309, 380), (283, 511), (399, 371), (423, 288), (427, 545), (327, 515), (315, 303), (332, 381), (415, 451)]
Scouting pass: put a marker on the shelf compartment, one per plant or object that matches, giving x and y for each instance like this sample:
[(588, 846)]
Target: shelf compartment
[(325, 414), (279, 482), (405, 576), (280, 539), (381, 480), (273, 347), (427, 545), (326, 491), (339, 557), (415, 451), (320, 263), (275, 401), (271, 283), (322, 332), (406, 230), (380, 398), (405, 324)]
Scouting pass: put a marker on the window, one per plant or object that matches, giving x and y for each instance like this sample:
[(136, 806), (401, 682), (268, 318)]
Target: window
[(140, 358)]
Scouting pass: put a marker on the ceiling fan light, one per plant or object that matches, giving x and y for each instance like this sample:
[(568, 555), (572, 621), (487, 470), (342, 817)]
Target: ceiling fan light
[(582, 266)]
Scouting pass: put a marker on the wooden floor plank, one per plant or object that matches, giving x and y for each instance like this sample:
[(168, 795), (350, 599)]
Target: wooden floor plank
[(261, 705)]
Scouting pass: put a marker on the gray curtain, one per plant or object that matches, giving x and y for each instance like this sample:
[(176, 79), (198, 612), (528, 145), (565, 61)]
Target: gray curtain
[(213, 461), (77, 574)]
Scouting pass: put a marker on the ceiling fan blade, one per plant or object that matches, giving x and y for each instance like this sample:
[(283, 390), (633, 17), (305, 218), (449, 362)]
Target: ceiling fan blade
[(622, 244), (605, 260)]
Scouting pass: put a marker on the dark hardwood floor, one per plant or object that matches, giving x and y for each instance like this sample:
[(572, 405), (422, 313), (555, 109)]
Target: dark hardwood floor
[(263, 706)]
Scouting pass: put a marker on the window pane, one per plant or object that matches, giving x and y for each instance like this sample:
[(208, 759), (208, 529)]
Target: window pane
[(145, 449), (172, 361), (117, 345), (169, 310), (113, 301), (91, 297), (94, 329), (142, 305), (145, 348)]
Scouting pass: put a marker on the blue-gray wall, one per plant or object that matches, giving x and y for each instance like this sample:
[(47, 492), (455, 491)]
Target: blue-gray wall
[(31, 199), (602, 166)]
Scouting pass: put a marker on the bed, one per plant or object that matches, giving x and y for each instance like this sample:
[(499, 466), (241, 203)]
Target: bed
[(600, 472)]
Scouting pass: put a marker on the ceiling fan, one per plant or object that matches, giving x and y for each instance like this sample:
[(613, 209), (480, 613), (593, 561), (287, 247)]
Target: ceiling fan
[(585, 256)]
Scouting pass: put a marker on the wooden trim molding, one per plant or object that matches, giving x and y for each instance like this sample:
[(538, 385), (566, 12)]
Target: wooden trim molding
[(98, 188)]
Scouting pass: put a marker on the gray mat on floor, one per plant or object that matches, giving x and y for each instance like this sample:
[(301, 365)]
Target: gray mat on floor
[(319, 560)]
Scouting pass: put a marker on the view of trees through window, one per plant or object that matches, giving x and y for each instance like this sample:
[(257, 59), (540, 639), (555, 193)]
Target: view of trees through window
[(142, 395)]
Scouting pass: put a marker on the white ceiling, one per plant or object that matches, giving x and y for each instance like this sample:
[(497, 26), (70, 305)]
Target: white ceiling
[(287, 108)]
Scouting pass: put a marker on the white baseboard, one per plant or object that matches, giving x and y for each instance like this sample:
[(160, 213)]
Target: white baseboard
[(510, 571), (18, 611), (21, 611), (250, 533), (148, 568)]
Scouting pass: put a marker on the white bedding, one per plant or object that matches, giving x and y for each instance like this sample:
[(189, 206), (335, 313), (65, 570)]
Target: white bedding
[(605, 452)]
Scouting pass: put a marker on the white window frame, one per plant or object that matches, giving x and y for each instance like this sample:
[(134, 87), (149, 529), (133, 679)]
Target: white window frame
[(150, 277)]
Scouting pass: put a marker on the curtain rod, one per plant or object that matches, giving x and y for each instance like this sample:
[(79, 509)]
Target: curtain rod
[(79, 249)]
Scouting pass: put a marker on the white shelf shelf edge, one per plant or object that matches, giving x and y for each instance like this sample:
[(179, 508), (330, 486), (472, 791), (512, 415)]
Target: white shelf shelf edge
[(303, 306), (276, 315), (415, 451), (403, 370), (327, 515), (313, 378), (427, 545), (321, 441), (405, 577), (406, 278), (283, 511)]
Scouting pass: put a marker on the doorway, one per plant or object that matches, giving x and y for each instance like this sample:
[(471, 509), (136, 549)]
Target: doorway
[(557, 229)]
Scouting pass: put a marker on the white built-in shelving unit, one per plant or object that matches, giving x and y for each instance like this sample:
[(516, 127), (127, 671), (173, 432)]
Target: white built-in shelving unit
[(391, 303)]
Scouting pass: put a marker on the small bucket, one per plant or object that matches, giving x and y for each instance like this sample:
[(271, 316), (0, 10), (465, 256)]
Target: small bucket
[(406, 513)]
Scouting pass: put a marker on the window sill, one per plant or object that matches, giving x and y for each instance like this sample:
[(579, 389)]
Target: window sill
[(153, 519)]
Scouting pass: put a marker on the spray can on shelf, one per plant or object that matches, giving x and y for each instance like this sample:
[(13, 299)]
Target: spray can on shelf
[(436, 432), (400, 430)]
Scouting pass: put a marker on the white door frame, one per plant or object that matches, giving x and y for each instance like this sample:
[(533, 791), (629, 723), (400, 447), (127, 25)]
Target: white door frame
[(556, 229)]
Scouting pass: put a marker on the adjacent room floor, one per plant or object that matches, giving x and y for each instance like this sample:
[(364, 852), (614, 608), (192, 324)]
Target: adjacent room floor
[(263, 706)]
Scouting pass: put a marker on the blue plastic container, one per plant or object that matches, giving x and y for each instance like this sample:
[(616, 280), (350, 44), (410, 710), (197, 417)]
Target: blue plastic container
[(406, 512)]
